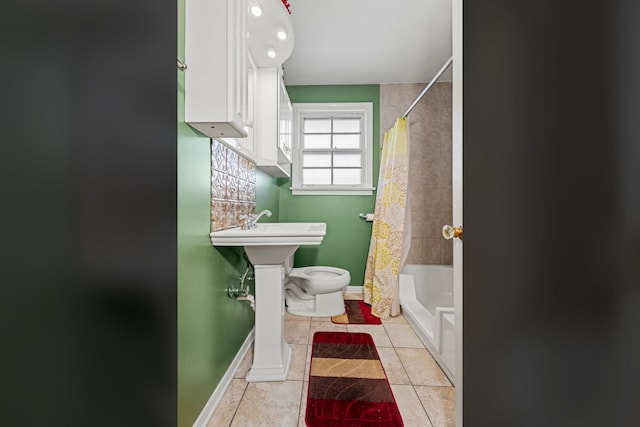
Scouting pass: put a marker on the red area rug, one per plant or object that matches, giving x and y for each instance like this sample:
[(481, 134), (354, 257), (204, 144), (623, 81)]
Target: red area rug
[(357, 313), (347, 384)]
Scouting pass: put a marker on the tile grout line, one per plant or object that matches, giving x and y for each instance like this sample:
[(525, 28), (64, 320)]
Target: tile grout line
[(300, 414), (235, 411), (422, 404)]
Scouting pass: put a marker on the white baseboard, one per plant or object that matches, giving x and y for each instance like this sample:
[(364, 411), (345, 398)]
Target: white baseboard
[(216, 396), (218, 393), (354, 289)]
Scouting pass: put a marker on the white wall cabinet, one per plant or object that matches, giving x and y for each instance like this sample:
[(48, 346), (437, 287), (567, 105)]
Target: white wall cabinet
[(217, 80), (274, 123), (286, 122), (246, 145), (234, 90)]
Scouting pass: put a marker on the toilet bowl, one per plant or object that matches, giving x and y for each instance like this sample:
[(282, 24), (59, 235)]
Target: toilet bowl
[(315, 291)]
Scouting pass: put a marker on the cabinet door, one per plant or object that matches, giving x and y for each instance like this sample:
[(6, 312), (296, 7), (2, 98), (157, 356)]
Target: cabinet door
[(216, 92), (247, 145), (285, 113), (240, 63), (273, 131)]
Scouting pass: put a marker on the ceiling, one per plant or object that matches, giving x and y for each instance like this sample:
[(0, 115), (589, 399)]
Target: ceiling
[(368, 41)]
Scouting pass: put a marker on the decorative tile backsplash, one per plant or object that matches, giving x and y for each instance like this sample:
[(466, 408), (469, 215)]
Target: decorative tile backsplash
[(233, 187)]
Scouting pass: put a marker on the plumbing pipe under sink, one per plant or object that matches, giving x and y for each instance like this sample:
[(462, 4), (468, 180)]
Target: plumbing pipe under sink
[(250, 298)]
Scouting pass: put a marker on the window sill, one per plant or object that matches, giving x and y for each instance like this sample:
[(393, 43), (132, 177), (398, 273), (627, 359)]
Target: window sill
[(356, 191)]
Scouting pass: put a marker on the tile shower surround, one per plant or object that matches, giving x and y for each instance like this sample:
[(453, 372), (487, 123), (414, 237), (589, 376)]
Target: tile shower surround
[(233, 187), (430, 189)]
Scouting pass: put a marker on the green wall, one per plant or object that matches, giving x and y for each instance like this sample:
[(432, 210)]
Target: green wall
[(267, 196), (347, 241), (211, 326)]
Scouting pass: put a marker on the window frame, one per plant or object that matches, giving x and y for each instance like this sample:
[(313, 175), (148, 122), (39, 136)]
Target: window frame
[(363, 110)]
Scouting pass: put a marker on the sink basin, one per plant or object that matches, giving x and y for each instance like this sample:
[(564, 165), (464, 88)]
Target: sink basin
[(272, 234), (271, 243)]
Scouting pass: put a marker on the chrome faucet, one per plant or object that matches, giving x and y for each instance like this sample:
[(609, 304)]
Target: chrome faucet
[(250, 220)]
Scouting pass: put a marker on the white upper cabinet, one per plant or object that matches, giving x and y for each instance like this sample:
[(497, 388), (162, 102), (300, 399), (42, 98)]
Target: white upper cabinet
[(227, 45), (216, 82), (285, 118), (271, 43), (274, 124)]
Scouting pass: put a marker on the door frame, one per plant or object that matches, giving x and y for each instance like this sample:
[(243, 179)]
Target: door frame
[(457, 187)]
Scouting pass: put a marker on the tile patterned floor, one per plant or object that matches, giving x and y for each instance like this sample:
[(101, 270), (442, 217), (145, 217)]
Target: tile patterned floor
[(424, 395)]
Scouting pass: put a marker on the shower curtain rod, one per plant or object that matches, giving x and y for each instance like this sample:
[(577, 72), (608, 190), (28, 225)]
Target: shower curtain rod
[(424, 91)]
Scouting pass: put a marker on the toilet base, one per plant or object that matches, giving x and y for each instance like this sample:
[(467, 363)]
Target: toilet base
[(321, 305)]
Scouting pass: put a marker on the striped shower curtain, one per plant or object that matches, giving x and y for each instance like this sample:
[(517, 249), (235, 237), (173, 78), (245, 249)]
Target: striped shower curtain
[(391, 231)]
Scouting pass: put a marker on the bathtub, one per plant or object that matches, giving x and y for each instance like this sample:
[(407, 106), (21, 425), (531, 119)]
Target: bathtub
[(426, 298)]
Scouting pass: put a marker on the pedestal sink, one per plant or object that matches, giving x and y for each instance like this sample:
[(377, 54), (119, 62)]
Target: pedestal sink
[(268, 246)]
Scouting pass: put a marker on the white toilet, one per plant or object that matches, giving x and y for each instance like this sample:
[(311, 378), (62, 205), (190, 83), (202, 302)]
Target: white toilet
[(314, 291)]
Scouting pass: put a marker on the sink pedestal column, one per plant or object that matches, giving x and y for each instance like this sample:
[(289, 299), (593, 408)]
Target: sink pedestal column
[(271, 353), (268, 246)]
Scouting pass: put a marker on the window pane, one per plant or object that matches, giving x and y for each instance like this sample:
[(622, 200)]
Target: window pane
[(346, 125), (316, 176), (317, 125), (346, 141), (317, 141), (317, 160), (347, 160), (347, 176)]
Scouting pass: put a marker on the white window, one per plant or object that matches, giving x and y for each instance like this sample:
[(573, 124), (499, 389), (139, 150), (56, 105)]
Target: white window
[(333, 148)]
